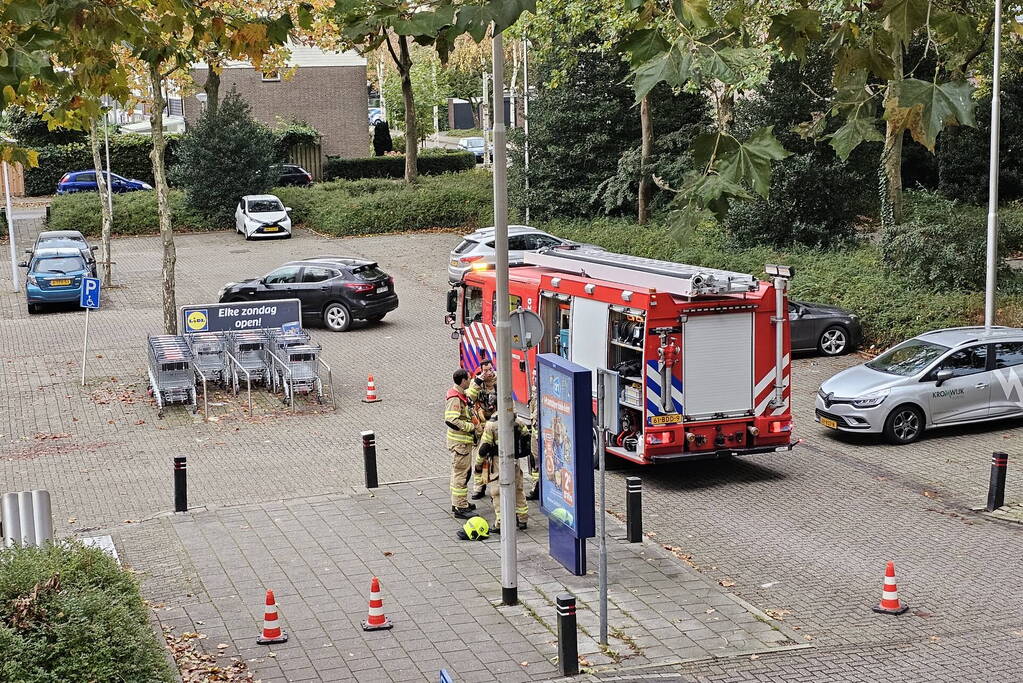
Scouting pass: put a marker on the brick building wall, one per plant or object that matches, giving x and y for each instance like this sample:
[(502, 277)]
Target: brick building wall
[(332, 99)]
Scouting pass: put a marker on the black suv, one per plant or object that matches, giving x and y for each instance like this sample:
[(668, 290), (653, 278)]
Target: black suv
[(333, 288), (290, 174)]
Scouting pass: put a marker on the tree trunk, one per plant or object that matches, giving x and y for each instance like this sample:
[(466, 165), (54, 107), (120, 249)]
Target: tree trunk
[(170, 319), (105, 214), (891, 158), (646, 151), (212, 89), (411, 132)]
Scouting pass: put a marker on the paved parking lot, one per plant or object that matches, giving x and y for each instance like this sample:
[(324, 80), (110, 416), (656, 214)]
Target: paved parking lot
[(803, 535)]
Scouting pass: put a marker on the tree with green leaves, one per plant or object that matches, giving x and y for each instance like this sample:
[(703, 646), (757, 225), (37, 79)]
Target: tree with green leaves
[(229, 132), (429, 89), (397, 24)]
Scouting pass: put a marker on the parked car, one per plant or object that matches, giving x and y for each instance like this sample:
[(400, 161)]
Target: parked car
[(262, 215), (57, 239), (85, 181), (945, 377), (334, 289), (828, 330), (54, 275), (479, 245), (474, 145), (292, 175)]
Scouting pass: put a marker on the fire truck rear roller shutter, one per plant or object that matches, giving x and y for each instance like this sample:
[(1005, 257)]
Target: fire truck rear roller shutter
[(717, 362)]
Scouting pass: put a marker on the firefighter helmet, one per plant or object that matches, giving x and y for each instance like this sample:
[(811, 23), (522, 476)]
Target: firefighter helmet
[(476, 528)]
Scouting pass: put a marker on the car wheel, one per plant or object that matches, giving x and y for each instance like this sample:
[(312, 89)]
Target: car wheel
[(375, 318), (33, 309), (337, 317), (904, 425), (834, 341)]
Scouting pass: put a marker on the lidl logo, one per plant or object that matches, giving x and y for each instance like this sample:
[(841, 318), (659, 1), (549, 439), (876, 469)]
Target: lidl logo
[(197, 320)]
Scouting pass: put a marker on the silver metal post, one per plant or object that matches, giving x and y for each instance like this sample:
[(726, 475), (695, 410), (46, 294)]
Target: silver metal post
[(436, 109), (505, 404), (485, 120), (85, 344), (601, 507), (10, 231), (525, 119), (992, 201), (110, 181), (780, 315)]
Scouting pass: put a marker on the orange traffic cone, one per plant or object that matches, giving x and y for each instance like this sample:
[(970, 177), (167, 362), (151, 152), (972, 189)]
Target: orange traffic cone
[(272, 632), (371, 391), (376, 621), (890, 603)]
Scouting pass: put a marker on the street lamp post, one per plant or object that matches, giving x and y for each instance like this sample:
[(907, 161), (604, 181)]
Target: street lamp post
[(505, 404), (992, 208)]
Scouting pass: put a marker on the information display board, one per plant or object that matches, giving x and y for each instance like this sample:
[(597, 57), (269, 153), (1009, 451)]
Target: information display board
[(244, 315), (566, 457)]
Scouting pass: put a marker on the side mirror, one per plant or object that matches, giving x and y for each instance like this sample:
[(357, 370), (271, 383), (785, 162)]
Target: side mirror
[(452, 300), (94, 247), (23, 264), (262, 281), (288, 209), (942, 376)]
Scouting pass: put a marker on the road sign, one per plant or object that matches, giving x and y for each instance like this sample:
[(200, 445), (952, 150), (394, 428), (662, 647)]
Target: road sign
[(527, 329), (90, 293)]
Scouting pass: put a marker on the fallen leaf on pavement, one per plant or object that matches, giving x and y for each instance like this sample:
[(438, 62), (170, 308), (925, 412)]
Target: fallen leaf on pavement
[(221, 646), (808, 637), (387, 553), (778, 614), (921, 613), (935, 639), (754, 658), (711, 610), (930, 494), (72, 520), (727, 583)]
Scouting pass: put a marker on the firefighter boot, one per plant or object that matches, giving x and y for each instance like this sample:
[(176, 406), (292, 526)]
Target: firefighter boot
[(534, 493)]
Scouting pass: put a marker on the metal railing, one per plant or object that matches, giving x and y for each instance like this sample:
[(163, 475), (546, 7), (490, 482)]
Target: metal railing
[(234, 378)]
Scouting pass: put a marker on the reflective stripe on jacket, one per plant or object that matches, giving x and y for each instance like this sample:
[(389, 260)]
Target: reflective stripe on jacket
[(457, 418)]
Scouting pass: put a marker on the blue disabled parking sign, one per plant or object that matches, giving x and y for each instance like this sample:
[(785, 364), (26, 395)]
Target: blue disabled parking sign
[(90, 292)]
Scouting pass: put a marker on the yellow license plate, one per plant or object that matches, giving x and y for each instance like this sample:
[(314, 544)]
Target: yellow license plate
[(830, 424), (454, 263), (59, 283), (271, 229), (672, 419)]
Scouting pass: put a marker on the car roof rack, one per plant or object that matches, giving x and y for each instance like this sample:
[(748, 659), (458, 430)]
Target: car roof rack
[(665, 276)]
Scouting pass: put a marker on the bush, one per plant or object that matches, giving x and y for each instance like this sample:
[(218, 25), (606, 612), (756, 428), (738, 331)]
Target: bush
[(69, 613), (30, 130), (943, 243), (288, 133), (232, 137), (430, 162), (892, 306), (134, 214), (129, 157), (362, 207)]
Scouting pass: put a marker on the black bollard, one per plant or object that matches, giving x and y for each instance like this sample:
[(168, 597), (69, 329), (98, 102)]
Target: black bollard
[(369, 459), (634, 508), (996, 489), (180, 484), (568, 637)]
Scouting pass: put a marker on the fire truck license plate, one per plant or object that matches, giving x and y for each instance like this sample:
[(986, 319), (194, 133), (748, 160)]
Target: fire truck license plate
[(830, 424), (672, 419)]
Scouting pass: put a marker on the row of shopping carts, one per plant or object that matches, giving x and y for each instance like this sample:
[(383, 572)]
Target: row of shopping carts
[(285, 361)]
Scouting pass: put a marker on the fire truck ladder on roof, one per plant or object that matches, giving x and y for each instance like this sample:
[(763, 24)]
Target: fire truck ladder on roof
[(664, 276)]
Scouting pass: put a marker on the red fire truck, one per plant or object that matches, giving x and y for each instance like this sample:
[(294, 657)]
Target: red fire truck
[(702, 354)]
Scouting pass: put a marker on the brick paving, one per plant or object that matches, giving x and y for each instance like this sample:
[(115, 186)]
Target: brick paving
[(803, 536)]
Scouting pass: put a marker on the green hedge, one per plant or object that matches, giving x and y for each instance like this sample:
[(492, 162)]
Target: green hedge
[(431, 162), (361, 207), (69, 613), (134, 213), (892, 307), (129, 157)]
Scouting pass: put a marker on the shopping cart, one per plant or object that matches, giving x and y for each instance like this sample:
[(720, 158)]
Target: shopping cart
[(209, 355), (171, 373), (248, 348), (294, 362)]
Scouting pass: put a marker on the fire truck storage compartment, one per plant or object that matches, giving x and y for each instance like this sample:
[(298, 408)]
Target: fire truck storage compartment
[(556, 312), (717, 365), (588, 342)]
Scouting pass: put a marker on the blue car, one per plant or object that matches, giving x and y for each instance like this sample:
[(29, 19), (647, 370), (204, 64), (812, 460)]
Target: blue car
[(85, 181), (54, 276)]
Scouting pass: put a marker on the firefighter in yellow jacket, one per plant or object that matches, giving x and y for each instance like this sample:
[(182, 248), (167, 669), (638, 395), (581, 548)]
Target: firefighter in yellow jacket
[(488, 450), (461, 435), (485, 384)]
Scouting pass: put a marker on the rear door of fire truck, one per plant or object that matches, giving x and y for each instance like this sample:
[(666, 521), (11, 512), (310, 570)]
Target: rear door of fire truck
[(718, 365)]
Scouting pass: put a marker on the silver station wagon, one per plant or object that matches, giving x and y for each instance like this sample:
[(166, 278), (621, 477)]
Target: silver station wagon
[(945, 377)]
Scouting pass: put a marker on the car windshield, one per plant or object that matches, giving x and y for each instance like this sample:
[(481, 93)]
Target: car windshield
[(264, 206), (370, 273), (62, 241), (473, 142), (908, 358), (59, 264)]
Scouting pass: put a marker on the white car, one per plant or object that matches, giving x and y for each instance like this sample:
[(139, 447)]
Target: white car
[(945, 377), (479, 246), (262, 215)]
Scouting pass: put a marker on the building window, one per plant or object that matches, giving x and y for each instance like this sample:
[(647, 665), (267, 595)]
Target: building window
[(271, 76)]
